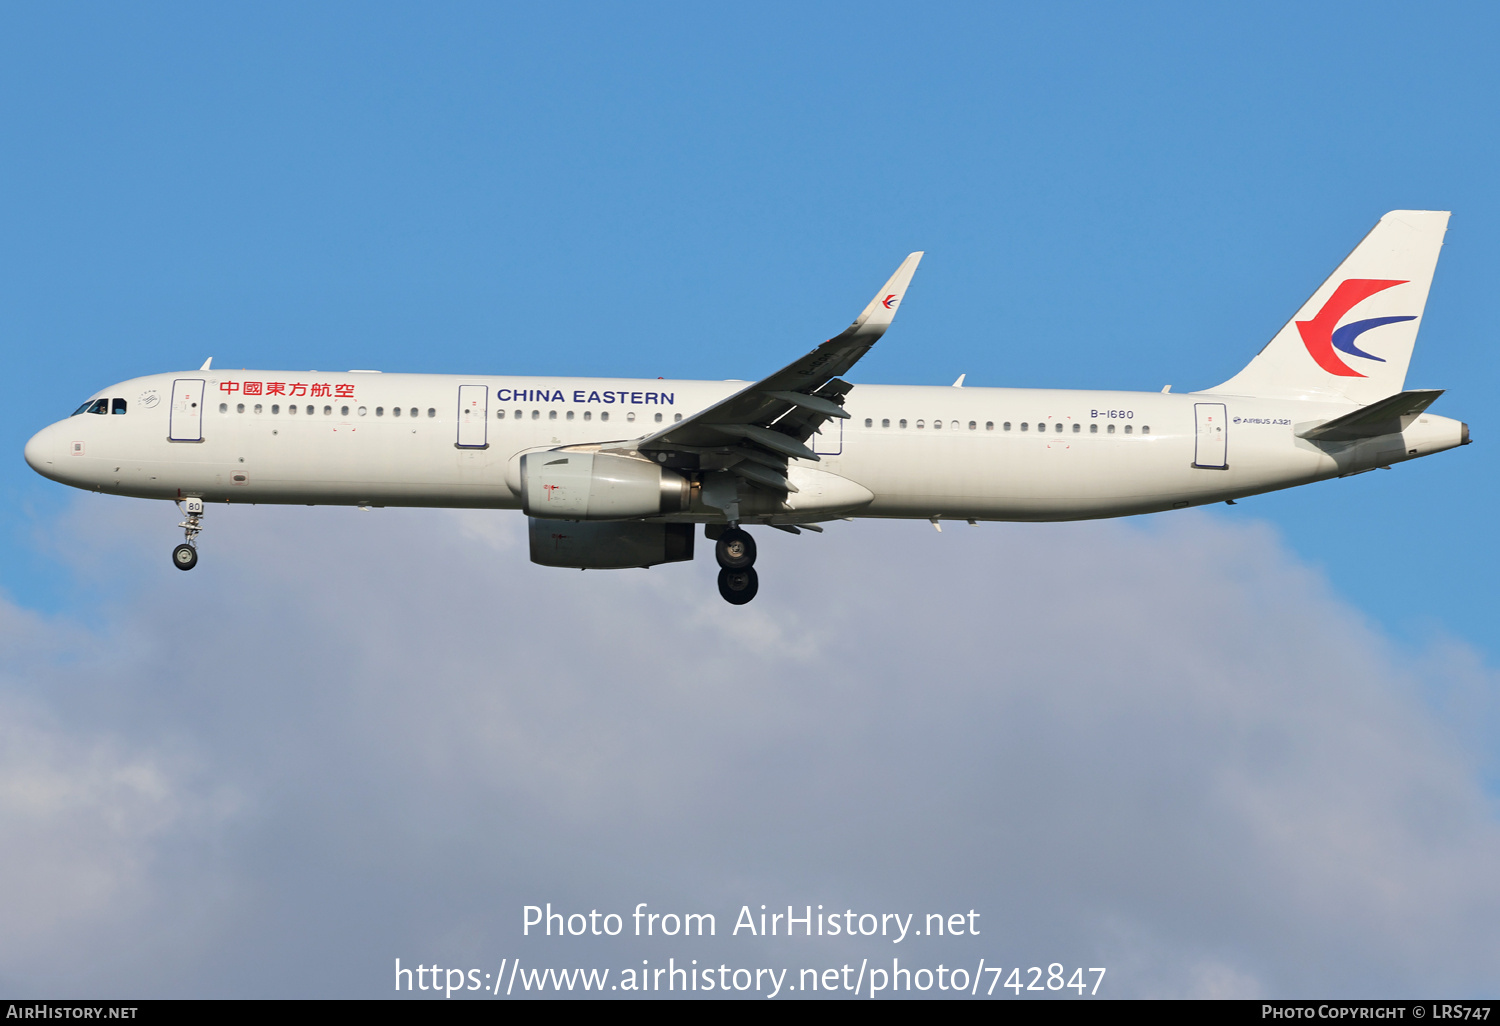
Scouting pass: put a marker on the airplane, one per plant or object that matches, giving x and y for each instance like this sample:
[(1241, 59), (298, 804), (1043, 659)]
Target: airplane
[(618, 473)]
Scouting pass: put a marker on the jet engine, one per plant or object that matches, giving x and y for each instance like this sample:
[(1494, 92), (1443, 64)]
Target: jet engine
[(615, 546), (558, 485)]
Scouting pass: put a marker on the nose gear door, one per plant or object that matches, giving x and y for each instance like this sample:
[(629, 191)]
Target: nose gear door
[(187, 411)]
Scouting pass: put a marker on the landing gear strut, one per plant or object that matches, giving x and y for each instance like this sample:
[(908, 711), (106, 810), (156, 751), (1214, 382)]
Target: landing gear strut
[(738, 581), (185, 556)]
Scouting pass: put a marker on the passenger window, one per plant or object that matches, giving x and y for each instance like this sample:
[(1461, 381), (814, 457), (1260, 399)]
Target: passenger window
[(1128, 429), (1111, 429), (379, 410), (118, 406), (1023, 425), (676, 417), (588, 415), (517, 414), (395, 411), (1006, 425), (536, 414), (431, 412), (551, 414), (919, 424), (292, 409), (239, 408), (885, 422), (604, 415), (275, 407), (499, 414), (343, 411), (868, 422), (1059, 427), (414, 411), (972, 425), (658, 417), (1077, 428), (630, 416), (1145, 430), (937, 425), (1093, 429), (223, 407), (954, 425), (328, 411), (257, 407), (989, 425), (362, 410)]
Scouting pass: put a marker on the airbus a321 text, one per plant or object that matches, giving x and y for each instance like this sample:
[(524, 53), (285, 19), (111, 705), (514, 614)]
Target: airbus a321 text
[(619, 473)]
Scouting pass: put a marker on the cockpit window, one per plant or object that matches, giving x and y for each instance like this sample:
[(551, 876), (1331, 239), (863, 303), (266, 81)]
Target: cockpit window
[(100, 406)]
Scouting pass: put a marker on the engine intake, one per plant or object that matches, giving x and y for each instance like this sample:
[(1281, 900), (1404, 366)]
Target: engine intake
[(559, 485)]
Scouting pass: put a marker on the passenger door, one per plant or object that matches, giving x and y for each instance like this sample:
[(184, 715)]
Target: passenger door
[(473, 416), (187, 411), (1213, 441)]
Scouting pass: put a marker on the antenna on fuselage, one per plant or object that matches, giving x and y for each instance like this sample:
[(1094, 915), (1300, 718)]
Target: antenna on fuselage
[(206, 363)]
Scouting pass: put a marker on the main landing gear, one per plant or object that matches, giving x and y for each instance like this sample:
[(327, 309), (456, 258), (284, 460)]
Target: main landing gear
[(185, 556), (735, 551)]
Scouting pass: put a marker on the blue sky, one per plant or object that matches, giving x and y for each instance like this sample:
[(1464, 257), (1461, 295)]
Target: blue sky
[(1109, 196)]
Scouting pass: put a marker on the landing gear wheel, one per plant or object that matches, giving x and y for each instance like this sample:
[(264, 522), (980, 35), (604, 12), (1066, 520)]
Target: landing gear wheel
[(184, 557), (738, 586), (735, 550)]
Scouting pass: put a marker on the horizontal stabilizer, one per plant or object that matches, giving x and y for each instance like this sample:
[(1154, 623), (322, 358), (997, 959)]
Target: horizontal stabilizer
[(1388, 416)]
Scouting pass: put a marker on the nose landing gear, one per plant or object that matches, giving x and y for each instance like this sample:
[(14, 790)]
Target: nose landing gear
[(185, 556), (738, 581)]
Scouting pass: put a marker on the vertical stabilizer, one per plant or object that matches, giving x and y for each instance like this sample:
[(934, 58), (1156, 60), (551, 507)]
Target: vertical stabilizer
[(1351, 342)]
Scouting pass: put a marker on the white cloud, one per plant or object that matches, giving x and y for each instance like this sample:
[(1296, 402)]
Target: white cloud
[(1164, 748)]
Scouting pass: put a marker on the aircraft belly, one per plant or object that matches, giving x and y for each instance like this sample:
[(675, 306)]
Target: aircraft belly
[(1065, 477), (319, 462)]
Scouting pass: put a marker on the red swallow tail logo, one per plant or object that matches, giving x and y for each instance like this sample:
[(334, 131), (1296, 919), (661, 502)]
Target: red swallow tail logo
[(889, 302), (1320, 338)]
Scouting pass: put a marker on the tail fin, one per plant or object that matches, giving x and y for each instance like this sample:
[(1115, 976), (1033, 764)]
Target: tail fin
[(1352, 341)]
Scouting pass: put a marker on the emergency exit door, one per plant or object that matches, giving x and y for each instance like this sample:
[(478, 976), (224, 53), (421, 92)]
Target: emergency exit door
[(828, 440), (186, 423), (473, 416), (1213, 440)]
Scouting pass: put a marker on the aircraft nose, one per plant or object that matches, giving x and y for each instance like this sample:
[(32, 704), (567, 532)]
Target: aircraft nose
[(42, 452)]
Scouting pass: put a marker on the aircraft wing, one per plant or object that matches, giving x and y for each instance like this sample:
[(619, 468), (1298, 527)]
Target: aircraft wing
[(754, 431)]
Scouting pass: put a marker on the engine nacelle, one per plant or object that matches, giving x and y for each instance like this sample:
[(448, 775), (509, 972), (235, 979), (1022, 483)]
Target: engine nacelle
[(559, 485), (586, 546)]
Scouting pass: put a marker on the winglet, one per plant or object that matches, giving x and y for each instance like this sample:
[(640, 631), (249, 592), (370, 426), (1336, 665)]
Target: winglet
[(882, 309)]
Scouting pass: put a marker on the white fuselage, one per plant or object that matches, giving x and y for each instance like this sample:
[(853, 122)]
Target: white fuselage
[(970, 453)]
